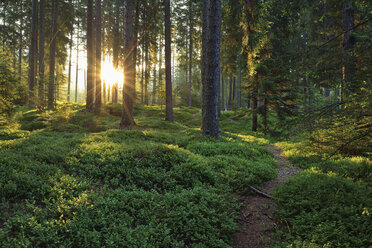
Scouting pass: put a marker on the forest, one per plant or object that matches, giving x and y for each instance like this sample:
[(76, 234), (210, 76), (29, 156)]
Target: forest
[(186, 123)]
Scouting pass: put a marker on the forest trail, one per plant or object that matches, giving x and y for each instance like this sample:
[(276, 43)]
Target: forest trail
[(256, 225)]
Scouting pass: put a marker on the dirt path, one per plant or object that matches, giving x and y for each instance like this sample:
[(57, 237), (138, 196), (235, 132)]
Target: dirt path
[(256, 224)]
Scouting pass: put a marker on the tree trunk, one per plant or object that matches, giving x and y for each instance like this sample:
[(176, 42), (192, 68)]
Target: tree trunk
[(204, 53), (20, 51), (127, 120), (41, 55), (154, 86), (238, 91), (142, 71), (136, 27), (266, 102), (254, 107), (147, 72), (234, 91), (222, 91), (348, 44), (52, 55), (69, 70), (116, 50), (190, 50), (77, 68), (212, 72), (32, 54), (230, 92), (160, 95), (168, 63), (90, 57), (98, 55)]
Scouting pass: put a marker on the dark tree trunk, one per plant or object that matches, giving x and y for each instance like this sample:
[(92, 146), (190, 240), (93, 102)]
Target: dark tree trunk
[(77, 68), (238, 91), (254, 107), (154, 86), (230, 91), (52, 55), (212, 72), (90, 57), (142, 71), (147, 72), (160, 95), (190, 50), (69, 70), (234, 92), (168, 63), (204, 53), (136, 27), (116, 50), (20, 51), (266, 102), (348, 44), (127, 120), (98, 55), (41, 54), (32, 54), (222, 91)]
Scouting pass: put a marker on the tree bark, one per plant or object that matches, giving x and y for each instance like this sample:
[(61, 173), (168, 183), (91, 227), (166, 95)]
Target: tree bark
[(69, 70), (230, 91), (116, 50), (52, 56), (77, 68), (32, 54), (212, 73), (222, 91), (98, 43), (254, 107), (90, 57), (41, 54), (127, 120), (168, 63), (204, 53), (238, 91), (190, 50), (348, 44)]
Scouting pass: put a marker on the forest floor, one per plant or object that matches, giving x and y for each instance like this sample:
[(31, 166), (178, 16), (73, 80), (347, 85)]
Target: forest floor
[(69, 178), (257, 225)]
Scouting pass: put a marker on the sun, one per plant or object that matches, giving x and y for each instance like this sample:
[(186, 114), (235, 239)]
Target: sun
[(110, 75)]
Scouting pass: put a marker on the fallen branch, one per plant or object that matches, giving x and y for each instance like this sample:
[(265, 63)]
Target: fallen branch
[(261, 193)]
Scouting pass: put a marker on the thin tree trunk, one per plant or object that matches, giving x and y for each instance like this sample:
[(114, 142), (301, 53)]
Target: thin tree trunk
[(41, 55), (20, 51), (142, 71), (348, 44), (32, 54), (77, 68), (127, 119), (168, 69), (204, 54), (90, 57), (52, 56), (190, 50), (160, 94), (69, 70), (116, 50), (212, 73), (222, 91), (234, 92), (98, 44), (239, 94), (266, 102), (230, 91), (136, 27), (154, 86), (254, 107)]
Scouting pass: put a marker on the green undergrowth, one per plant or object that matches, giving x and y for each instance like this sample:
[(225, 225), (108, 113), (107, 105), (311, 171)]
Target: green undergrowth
[(328, 204), (69, 179)]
